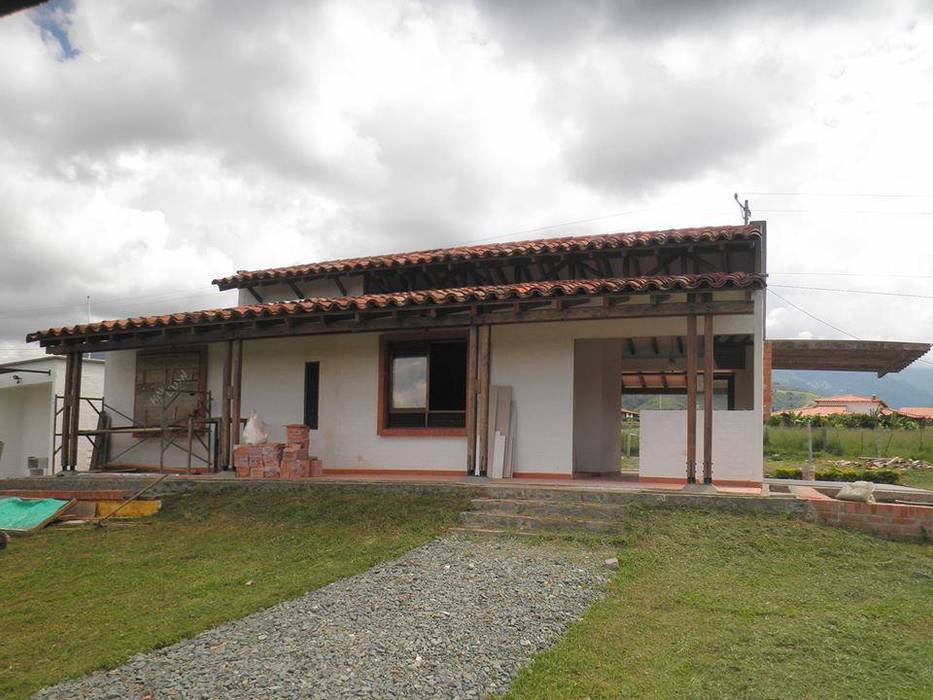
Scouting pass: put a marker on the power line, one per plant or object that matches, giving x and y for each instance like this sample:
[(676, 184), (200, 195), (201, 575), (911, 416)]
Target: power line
[(845, 211), (825, 322), (842, 194), (815, 318), (856, 274), (178, 294), (854, 291), (565, 223)]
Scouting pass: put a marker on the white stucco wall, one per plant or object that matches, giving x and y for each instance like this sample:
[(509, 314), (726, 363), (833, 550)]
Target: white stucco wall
[(273, 385), (597, 391), (737, 453)]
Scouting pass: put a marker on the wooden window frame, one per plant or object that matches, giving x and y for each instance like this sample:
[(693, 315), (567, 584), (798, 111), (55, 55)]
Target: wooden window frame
[(384, 378), (201, 351)]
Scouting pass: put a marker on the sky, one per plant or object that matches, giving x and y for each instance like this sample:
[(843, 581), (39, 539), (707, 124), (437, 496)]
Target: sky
[(147, 148)]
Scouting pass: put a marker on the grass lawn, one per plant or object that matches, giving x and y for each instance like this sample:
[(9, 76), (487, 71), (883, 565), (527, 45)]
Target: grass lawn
[(76, 600), (734, 606)]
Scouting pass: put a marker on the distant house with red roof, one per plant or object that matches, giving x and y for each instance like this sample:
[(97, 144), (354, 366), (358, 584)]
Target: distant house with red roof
[(917, 413), (846, 404)]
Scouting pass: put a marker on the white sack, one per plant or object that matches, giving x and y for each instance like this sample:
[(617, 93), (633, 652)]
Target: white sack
[(255, 432)]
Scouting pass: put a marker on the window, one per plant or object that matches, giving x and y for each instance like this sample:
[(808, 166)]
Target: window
[(169, 388), (424, 384), (312, 392)]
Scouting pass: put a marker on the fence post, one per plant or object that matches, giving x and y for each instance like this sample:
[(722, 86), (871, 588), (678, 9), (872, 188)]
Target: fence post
[(811, 472), (878, 439)]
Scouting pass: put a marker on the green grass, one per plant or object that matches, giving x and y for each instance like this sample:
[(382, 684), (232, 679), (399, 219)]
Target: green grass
[(748, 606), (851, 443), (921, 478), (79, 600)]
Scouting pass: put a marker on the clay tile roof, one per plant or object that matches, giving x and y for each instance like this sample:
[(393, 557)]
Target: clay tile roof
[(918, 412), (543, 246), (848, 398), (429, 297)]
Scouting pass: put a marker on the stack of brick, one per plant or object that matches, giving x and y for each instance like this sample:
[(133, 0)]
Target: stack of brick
[(273, 460)]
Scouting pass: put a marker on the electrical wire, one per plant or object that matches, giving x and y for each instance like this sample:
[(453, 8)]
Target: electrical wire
[(854, 291), (825, 322)]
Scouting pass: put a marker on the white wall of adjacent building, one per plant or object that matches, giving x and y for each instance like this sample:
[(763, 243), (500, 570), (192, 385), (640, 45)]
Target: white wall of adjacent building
[(27, 404)]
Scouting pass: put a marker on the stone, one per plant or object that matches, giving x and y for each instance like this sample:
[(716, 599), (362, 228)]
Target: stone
[(861, 491), (612, 563)]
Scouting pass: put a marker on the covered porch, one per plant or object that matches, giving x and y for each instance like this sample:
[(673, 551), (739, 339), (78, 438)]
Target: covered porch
[(334, 369)]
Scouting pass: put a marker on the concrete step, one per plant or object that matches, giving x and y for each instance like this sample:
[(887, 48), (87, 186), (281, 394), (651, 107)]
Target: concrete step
[(559, 493), (551, 508), (512, 522)]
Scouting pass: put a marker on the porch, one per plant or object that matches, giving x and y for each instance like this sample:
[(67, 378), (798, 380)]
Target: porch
[(411, 394)]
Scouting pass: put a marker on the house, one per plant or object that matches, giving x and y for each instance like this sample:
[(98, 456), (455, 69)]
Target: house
[(30, 395), (480, 360), (921, 414), (846, 404)]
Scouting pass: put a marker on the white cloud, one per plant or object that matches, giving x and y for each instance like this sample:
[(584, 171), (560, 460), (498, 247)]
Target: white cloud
[(186, 140)]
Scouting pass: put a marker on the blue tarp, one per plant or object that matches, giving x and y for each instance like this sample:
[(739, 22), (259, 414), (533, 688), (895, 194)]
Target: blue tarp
[(24, 514)]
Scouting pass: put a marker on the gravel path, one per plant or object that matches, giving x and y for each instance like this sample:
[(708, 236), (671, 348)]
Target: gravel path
[(453, 619)]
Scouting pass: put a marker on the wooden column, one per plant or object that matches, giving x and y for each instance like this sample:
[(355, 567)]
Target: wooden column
[(708, 366), (66, 411), (75, 415), (471, 399), (223, 430), (236, 393), (482, 395), (691, 399)]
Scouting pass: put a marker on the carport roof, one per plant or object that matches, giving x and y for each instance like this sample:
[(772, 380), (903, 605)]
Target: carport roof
[(880, 356)]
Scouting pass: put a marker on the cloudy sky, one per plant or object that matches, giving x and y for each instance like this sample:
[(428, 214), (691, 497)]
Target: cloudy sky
[(148, 147)]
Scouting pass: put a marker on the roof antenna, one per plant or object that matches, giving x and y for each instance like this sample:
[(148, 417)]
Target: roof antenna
[(746, 212)]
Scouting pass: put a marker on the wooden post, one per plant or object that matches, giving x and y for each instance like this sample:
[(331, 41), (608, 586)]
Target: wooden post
[(75, 415), (482, 396), (471, 399), (691, 399), (708, 366), (223, 442), (236, 392), (66, 411)]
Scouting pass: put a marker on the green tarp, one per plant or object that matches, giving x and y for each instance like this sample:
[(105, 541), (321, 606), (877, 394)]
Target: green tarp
[(23, 514)]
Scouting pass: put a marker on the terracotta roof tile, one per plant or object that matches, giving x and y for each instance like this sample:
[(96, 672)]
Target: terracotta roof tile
[(543, 246), (430, 297), (918, 412)]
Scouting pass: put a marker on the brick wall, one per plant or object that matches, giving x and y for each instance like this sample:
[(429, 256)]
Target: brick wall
[(894, 521)]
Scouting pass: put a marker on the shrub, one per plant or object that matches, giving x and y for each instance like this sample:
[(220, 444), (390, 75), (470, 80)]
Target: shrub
[(881, 476), (788, 473)]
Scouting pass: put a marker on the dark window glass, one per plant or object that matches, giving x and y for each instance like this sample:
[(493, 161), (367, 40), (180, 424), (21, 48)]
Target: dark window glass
[(427, 384), (312, 393)]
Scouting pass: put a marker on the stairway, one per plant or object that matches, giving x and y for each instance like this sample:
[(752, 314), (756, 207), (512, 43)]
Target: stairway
[(538, 510)]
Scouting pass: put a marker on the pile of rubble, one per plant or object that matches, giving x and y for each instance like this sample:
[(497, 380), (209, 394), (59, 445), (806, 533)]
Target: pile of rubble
[(883, 463), (278, 460)]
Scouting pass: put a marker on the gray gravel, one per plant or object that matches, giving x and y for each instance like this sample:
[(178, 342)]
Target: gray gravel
[(453, 619)]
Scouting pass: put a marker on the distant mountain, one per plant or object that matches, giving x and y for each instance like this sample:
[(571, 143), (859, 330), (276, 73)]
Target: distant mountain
[(784, 398), (911, 387)]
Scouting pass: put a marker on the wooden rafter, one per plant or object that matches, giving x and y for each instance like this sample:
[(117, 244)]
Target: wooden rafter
[(383, 319)]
